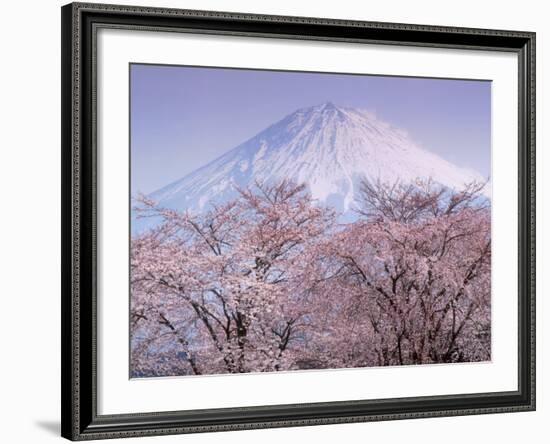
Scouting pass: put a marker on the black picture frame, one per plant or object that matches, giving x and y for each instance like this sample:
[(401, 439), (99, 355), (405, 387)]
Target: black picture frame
[(80, 420)]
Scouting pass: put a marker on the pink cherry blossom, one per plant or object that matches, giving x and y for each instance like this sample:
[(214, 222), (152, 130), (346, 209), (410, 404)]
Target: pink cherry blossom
[(270, 282)]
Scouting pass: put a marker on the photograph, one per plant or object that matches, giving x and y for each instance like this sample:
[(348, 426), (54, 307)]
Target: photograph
[(295, 221)]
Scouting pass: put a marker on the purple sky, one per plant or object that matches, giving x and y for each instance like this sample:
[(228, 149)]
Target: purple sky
[(183, 117)]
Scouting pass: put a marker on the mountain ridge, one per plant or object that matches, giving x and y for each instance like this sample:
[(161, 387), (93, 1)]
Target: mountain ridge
[(329, 148)]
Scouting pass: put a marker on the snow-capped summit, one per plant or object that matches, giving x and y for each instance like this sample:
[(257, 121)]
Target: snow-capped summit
[(328, 147)]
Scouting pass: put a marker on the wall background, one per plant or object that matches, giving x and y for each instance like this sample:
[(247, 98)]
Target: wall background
[(30, 210)]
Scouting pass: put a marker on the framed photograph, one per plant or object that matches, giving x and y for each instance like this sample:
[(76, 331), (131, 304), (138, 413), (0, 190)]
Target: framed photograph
[(281, 221)]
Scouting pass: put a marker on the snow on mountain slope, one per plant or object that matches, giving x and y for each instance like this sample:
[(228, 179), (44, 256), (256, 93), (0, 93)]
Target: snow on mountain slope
[(329, 148)]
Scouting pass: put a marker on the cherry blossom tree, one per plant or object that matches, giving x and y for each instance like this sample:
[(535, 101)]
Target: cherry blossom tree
[(224, 291), (414, 275), (270, 282)]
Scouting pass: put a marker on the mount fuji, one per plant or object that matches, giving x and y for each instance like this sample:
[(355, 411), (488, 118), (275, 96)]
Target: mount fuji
[(327, 147)]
